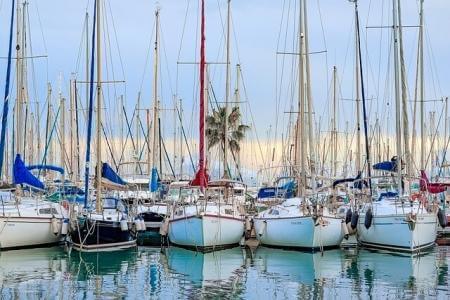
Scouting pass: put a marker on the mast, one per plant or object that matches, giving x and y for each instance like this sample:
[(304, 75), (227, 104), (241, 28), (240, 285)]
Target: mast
[(357, 93), (334, 132), (19, 71), (237, 95), (365, 120), (99, 109), (72, 129), (398, 124), (6, 98), (201, 175), (227, 96), (422, 91), (403, 94), (309, 100), (155, 121), (90, 110), (62, 134), (300, 152)]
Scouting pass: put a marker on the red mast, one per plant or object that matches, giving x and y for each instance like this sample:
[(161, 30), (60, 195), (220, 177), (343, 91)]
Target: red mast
[(201, 177)]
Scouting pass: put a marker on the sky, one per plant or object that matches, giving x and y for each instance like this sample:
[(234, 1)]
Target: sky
[(261, 28)]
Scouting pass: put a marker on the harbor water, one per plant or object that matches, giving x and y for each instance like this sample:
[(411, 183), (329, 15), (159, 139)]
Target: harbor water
[(263, 273)]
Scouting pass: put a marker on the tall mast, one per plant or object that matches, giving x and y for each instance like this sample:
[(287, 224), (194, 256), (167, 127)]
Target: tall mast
[(422, 91), (309, 100), (99, 109), (155, 135), (201, 175), (87, 57), (72, 129), (19, 71), (227, 96), (90, 106), (300, 152), (403, 94), (398, 124), (357, 93), (237, 95), (62, 134), (6, 99), (334, 130)]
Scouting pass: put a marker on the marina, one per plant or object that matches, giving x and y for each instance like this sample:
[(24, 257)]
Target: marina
[(153, 158)]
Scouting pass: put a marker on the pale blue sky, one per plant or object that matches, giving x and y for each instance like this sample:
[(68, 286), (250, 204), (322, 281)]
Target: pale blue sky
[(256, 27)]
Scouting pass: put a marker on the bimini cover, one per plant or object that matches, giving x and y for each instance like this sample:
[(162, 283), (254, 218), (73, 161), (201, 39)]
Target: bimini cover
[(111, 175), (46, 167), (23, 176)]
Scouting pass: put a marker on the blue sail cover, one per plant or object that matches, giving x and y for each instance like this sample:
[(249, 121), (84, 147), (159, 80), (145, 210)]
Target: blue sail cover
[(111, 175), (46, 167), (23, 176), (390, 166), (154, 180)]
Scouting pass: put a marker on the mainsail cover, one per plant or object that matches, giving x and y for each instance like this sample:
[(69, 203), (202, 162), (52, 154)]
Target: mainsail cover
[(109, 174), (23, 176)]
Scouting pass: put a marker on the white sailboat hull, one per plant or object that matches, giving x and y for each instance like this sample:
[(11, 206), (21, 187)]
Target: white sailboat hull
[(392, 232), (206, 231), (299, 232), (20, 232)]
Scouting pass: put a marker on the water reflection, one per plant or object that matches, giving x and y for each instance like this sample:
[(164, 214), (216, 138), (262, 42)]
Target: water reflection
[(176, 273), (215, 274)]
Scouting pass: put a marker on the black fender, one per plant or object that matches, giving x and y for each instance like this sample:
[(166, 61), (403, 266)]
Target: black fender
[(348, 216), (354, 220), (369, 217), (442, 218)]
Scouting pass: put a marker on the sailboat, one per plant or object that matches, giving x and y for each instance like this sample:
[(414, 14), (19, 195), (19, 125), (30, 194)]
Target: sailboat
[(393, 219), (305, 221), (26, 218), (101, 224), (207, 218)]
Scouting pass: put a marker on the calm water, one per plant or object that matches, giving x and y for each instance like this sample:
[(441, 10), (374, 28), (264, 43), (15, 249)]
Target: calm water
[(236, 273)]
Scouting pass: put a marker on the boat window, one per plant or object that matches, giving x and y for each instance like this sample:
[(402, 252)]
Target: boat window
[(48, 211), (274, 212)]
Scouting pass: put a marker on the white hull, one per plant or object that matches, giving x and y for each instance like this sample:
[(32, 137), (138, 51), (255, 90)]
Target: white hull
[(392, 232), (20, 232), (299, 232), (206, 231)]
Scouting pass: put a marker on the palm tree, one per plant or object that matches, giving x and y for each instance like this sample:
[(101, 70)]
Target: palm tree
[(215, 132)]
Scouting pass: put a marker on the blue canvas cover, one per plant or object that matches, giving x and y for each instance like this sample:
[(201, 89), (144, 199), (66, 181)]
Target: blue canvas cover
[(23, 176), (154, 180), (111, 175), (46, 167), (390, 166)]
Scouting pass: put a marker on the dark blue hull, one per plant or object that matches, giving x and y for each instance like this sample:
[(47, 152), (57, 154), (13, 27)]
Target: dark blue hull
[(100, 233)]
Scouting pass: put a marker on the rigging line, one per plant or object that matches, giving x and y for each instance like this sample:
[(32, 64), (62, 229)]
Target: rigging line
[(185, 138), (129, 134), (147, 57), (435, 133), (253, 120), (167, 156), (325, 45), (181, 43), (43, 37), (49, 140), (107, 31), (33, 69), (117, 43), (433, 67), (81, 46), (169, 77)]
